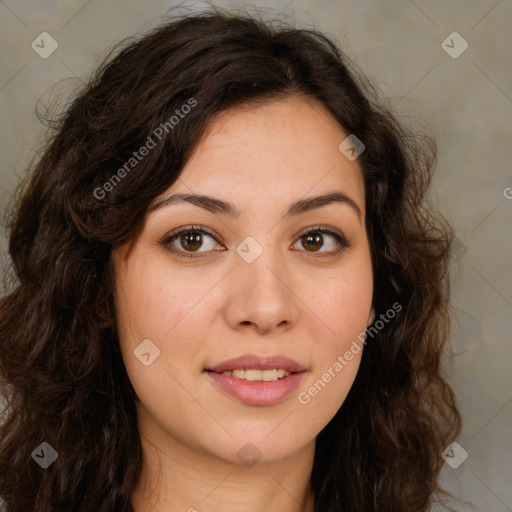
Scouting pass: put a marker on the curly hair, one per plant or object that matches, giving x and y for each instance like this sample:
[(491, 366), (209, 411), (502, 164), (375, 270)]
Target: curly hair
[(62, 375)]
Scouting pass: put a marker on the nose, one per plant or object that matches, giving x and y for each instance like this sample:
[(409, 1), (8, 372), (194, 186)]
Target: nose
[(262, 294)]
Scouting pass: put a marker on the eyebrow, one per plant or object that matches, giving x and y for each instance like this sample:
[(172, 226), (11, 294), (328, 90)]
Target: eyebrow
[(220, 207)]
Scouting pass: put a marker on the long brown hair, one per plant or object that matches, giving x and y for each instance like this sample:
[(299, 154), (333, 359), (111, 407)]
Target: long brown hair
[(63, 378)]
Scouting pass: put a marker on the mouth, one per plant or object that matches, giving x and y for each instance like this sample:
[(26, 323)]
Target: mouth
[(256, 375), (250, 364), (257, 380)]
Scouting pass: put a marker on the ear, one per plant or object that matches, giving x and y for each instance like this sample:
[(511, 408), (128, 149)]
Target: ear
[(371, 318)]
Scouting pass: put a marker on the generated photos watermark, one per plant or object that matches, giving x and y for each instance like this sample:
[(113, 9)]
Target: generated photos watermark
[(305, 397), (143, 151)]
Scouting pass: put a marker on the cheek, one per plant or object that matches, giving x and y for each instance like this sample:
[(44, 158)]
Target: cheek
[(342, 306), (332, 377), (349, 314), (168, 309), (343, 309), (154, 318), (152, 301)]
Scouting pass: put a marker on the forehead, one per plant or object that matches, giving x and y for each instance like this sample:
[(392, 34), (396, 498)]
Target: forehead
[(281, 150)]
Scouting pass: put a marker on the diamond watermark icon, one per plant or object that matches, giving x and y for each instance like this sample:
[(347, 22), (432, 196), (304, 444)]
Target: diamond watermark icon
[(44, 45), (454, 45), (249, 249), (454, 455), (44, 455), (351, 147), (249, 455), (147, 352)]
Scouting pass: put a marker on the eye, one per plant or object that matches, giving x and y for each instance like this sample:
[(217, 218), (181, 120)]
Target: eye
[(187, 242), (314, 238), (190, 238)]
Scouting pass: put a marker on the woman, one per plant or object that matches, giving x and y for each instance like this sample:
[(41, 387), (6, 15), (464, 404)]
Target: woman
[(231, 290)]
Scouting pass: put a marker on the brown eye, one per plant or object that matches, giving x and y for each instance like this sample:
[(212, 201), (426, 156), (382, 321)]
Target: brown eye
[(191, 240), (188, 241), (314, 240)]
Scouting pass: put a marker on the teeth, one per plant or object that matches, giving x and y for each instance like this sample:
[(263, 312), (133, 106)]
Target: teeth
[(262, 375)]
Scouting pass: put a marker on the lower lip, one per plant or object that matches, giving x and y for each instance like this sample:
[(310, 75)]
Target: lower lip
[(257, 392)]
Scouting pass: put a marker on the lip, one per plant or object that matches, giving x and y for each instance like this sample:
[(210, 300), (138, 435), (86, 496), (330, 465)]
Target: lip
[(256, 392), (254, 362)]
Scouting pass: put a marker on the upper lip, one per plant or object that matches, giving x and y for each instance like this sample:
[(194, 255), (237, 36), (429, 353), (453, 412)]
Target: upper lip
[(250, 361)]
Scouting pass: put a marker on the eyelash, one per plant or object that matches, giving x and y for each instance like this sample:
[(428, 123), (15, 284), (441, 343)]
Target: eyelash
[(173, 235)]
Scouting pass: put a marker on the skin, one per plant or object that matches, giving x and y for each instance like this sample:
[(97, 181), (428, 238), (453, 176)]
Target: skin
[(294, 300)]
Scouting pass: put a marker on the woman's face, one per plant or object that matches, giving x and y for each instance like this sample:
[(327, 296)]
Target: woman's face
[(256, 284)]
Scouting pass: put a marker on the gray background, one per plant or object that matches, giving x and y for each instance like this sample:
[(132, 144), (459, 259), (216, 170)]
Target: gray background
[(464, 102)]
